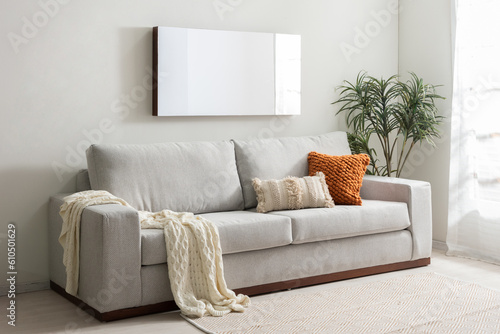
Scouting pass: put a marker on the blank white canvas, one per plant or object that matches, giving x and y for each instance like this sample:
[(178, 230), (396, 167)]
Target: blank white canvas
[(230, 73), (209, 72), (288, 59), (172, 72)]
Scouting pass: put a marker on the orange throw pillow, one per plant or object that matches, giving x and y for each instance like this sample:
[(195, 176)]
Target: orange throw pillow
[(343, 174)]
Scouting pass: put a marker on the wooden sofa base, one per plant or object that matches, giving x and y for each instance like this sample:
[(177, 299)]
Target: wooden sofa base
[(251, 291)]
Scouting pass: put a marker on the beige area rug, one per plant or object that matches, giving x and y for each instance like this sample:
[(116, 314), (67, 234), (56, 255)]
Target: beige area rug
[(421, 303)]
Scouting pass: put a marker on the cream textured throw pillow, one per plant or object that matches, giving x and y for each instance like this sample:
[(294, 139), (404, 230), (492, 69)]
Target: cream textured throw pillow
[(292, 193)]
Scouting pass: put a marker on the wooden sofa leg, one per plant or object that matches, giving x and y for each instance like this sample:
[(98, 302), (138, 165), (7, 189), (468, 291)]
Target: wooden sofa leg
[(251, 291), (117, 314)]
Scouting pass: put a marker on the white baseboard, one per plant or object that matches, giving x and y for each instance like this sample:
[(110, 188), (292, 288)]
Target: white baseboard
[(439, 245), (26, 287)]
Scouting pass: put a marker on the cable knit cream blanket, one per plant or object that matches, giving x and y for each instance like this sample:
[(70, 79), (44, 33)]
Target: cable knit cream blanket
[(194, 255)]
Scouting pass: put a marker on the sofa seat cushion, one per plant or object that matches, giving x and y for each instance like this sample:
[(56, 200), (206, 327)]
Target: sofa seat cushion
[(343, 221), (239, 231)]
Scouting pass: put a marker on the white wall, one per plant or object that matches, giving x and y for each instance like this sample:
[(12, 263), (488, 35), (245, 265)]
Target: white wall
[(73, 73), (425, 48)]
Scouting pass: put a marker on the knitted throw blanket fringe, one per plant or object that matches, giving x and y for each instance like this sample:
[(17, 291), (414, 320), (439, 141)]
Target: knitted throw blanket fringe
[(194, 255)]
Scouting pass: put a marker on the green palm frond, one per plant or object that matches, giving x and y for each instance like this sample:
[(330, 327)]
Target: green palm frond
[(391, 111)]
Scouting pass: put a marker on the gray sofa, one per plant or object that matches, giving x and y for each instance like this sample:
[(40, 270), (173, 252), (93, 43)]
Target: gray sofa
[(123, 270)]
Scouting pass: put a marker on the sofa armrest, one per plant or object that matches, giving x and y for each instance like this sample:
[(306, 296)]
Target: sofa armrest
[(417, 195), (110, 255)]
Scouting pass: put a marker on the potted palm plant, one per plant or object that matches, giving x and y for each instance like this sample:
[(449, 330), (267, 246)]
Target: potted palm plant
[(398, 115)]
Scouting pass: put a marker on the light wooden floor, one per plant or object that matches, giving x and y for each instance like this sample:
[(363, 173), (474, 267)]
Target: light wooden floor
[(47, 312)]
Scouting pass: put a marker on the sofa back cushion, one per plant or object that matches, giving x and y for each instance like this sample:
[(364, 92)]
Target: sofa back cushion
[(196, 177), (277, 158), (82, 180)]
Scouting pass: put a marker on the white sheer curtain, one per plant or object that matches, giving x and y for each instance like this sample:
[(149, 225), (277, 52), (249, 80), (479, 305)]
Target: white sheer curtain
[(474, 206)]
